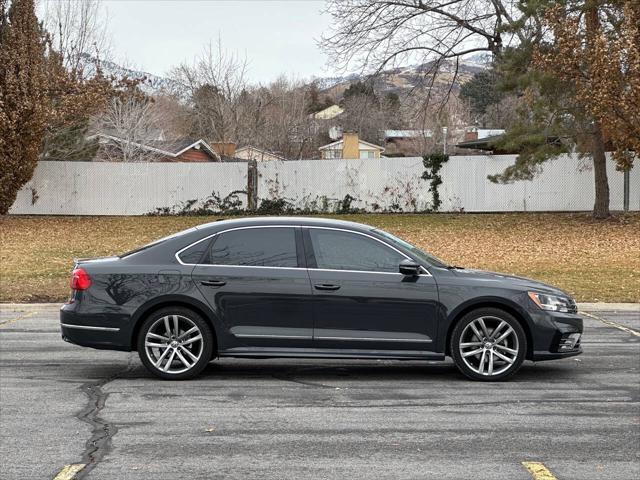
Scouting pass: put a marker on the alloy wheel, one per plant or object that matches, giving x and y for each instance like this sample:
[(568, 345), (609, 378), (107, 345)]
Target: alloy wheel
[(173, 344), (489, 346)]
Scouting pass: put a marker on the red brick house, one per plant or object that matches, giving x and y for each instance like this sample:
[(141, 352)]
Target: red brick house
[(182, 150)]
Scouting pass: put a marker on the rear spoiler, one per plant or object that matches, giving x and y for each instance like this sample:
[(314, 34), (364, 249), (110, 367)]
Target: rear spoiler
[(77, 261)]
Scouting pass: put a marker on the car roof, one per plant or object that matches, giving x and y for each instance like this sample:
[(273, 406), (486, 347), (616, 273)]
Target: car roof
[(294, 221)]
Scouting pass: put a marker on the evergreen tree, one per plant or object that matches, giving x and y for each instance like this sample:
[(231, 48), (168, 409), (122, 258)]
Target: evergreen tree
[(481, 92), (24, 86), (580, 89)]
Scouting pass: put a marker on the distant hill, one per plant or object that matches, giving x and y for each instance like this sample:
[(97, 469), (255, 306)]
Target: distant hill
[(403, 80), (400, 80), (151, 84)]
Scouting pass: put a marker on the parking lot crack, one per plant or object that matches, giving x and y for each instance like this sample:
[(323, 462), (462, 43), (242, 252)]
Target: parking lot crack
[(99, 444), (289, 377)]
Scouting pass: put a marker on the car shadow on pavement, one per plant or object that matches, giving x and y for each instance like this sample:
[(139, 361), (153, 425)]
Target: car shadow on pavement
[(327, 372)]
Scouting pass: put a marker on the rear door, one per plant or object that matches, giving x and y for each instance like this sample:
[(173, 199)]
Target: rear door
[(361, 301), (254, 279)]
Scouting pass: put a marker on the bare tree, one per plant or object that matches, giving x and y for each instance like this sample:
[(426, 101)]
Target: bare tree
[(375, 34), (129, 128), (78, 28), (216, 81), (286, 126)]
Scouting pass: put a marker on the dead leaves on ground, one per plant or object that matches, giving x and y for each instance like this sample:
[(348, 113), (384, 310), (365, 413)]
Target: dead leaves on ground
[(594, 260)]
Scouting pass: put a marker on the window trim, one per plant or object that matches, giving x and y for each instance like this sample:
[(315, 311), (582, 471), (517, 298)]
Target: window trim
[(209, 237), (306, 253), (309, 227)]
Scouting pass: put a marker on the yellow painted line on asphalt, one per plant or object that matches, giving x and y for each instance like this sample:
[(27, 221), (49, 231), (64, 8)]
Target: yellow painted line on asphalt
[(21, 317), (538, 471), (613, 324), (69, 471)]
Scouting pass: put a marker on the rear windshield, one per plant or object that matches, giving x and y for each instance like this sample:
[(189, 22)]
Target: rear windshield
[(158, 242)]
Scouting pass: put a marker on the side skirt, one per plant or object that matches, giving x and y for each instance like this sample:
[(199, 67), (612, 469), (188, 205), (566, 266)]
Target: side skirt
[(265, 352)]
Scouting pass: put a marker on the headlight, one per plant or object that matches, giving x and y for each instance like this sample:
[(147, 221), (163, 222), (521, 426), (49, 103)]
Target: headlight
[(555, 303)]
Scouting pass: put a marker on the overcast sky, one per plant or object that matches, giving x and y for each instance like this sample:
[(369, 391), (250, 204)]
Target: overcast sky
[(277, 36)]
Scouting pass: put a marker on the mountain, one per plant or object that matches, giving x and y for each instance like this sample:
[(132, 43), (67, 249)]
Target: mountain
[(150, 84), (401, 80)]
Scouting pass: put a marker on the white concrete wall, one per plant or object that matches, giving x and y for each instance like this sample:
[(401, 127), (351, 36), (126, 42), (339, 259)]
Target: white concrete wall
[(106, 188), (96, 188)]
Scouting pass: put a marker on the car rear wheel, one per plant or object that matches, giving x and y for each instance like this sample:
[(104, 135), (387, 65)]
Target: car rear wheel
[(488, 344), (175, 343)]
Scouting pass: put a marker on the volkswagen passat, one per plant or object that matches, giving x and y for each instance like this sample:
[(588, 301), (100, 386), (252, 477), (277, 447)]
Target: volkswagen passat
[(311, 288)]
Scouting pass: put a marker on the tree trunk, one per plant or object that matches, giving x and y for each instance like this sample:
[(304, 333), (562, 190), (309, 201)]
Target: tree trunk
[(601, 205)]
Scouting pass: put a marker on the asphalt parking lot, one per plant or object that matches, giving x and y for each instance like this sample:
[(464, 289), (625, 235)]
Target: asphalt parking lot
[(66, 406)]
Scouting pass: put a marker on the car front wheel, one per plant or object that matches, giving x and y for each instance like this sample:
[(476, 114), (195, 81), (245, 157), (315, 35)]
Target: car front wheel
[(175, 343), (488, 344)]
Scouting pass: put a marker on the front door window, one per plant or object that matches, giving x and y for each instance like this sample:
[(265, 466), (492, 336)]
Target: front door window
[(339, 250)]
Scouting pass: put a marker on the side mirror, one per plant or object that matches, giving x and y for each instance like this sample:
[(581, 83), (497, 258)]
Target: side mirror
[(409, 267)]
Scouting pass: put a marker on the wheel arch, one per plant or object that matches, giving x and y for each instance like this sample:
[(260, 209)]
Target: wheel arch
[(174, 301), (501, 304)]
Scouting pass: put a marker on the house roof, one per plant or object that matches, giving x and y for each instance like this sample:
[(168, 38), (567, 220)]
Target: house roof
[(329, 112), (332, 145), (259, 150), (488, 144), (171, 149), (480, 144), (407, 133)]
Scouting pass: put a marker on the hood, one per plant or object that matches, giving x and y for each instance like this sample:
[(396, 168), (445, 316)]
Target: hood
[(508, 280)]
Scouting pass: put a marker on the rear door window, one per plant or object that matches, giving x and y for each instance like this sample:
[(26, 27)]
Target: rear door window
[(255, 247)]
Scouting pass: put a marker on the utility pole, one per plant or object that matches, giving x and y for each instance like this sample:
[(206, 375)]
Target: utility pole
[(627, 185), (444, 142)]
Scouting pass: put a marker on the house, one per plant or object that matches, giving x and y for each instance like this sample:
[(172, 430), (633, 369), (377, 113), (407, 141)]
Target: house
[(488, 144), (474, 133), (482, 139), (249, 152), (329, 113), (182, 150), (225, 149), (399, 143), (350, 147)]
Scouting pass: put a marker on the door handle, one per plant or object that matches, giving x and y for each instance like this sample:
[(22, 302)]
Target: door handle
[(213, 283), (326, 286)]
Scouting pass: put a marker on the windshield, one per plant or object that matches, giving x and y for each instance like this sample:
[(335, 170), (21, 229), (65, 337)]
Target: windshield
[(427, 257)]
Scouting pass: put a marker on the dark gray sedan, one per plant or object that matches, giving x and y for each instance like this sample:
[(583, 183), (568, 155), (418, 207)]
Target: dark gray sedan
[(311, 288)]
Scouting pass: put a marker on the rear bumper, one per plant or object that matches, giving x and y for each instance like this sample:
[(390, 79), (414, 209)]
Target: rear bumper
[(92, 331)]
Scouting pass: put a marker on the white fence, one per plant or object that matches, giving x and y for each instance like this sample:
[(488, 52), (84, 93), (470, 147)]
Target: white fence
[(386, 184), (105, 188), (565, 184)]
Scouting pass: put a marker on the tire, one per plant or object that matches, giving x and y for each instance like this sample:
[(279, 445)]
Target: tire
[(480, 355), (175, 343)]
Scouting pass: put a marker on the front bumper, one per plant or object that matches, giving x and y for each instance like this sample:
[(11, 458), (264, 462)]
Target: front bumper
[(556, 335)]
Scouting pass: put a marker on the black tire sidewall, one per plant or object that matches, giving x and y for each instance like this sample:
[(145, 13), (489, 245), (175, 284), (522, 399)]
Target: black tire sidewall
[(207, 339), (492, 312)]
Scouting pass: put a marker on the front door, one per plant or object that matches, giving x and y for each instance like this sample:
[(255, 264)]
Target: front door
[(361, 301), (253, 280)]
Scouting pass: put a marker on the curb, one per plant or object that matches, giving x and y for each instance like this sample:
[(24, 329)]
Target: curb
[(609, 307), (30, 306)]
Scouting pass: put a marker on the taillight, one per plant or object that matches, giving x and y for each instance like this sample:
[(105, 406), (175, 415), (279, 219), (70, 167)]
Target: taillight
[(80, 279)]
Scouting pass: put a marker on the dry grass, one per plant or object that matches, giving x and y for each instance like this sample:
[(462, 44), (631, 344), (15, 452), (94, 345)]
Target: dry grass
[(594, 260)]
